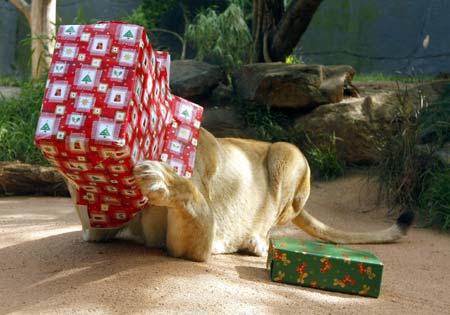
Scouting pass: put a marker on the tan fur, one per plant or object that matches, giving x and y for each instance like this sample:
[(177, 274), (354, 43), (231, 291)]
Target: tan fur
[(239, 190)]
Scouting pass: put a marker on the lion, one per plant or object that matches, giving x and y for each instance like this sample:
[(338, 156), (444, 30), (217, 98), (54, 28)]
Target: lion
[(240, 189)]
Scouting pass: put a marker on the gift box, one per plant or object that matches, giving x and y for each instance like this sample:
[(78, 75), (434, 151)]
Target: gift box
[(107, 105), (324, 266)]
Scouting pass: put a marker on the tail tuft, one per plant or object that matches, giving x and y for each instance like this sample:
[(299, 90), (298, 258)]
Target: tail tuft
[(405, 220)]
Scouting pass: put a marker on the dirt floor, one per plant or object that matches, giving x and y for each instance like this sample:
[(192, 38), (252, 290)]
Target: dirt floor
[(45, 267)]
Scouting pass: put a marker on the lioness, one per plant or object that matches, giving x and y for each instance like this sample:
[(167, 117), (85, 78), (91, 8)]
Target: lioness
[(239, 190)]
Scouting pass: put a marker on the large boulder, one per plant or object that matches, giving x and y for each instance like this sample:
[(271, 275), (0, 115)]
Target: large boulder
[(192, 79), (225, 121), (294, 86), (360, 123)]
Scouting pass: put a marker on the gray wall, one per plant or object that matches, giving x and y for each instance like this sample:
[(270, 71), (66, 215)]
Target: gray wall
[(380, 36), (372, 35), (8, 38), (94, 10)]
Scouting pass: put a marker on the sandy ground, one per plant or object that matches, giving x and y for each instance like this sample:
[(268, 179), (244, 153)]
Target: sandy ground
[(45, 268)]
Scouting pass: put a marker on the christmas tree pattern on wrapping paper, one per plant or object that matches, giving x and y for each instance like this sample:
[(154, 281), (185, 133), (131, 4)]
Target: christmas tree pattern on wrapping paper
[(128, 35), (87, 79), (105, 133), (185, 113), (70, 30), (45, 128)]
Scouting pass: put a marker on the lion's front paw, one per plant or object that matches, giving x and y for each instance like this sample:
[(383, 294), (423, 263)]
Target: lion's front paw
[(152, 178)]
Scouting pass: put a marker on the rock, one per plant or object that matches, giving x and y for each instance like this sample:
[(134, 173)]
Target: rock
[(192, 79), (295, 86), (18, 178), (362, 122), (221, 95), (9, 91), (224, 121), (347, 121)]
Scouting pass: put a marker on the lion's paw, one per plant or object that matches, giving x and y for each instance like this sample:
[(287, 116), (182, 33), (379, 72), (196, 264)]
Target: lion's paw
[(152, 178), (256, 246)]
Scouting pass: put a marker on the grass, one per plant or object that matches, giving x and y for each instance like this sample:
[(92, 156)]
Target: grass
[(324, 160), (10, 81), (18, 119), (410, 174), (273, 125), (435, 198), (373, 77)]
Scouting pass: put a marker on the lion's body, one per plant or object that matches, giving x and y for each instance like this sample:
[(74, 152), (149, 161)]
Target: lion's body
[(239, 190)]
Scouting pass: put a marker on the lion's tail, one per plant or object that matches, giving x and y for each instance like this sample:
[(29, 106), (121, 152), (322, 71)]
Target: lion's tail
[(320, 230)]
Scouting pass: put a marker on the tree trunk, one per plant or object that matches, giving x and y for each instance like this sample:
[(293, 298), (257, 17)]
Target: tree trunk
[(276, 32), (41, 16), (43, 31), (18, 178)]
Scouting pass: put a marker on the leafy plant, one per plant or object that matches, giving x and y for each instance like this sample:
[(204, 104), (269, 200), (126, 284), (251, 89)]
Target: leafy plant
[(221, 38), (10, 81), (324, 159), (149, 12), (80, 18), (434, 202), (293, 59), (46, 40), (273, 126), (18, 119), (410, 174)]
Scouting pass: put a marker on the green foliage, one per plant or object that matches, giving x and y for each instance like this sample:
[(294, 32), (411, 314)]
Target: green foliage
[(149, 12), (434, 202), (273, 126), (221, 38), (10, 81), (292, 59), (45, 40), (410, 174), (324, 159), (373, 77), (18, 119), (435, 126), (267, 125), (80, 18)]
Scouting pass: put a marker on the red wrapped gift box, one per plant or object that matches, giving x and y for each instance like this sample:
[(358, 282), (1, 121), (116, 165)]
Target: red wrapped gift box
[(107, 106)]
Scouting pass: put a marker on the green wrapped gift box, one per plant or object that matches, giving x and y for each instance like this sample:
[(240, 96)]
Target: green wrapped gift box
[(324, 266)]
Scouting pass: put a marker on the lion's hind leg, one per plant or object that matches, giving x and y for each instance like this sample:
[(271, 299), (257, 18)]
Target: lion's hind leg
[(289, 175)]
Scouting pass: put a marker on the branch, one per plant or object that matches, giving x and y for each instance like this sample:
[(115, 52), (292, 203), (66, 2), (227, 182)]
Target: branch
[(291, 27), (23, 7), (155, 29), (181, 39), (266, 53)]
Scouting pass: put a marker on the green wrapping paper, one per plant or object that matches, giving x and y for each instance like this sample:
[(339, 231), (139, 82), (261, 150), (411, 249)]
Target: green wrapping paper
[(324, 266)]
